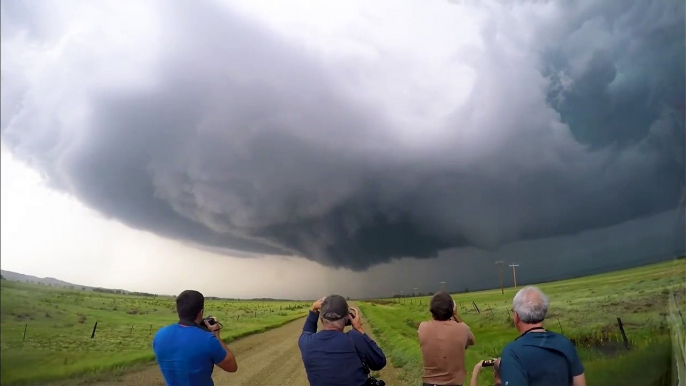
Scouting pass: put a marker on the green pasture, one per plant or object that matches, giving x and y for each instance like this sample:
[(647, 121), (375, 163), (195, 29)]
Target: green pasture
[(584, 309), (59, 323)]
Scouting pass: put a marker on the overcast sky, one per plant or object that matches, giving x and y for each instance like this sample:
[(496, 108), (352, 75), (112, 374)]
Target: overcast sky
[(301, 148)]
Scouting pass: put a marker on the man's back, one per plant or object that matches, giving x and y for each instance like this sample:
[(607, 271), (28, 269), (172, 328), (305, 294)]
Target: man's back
[(540, 359), (330, 358), (443, 345), (187, 355)]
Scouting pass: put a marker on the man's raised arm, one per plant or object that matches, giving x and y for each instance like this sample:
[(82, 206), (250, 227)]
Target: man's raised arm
[(369, 351), (310, 326), (221, 355)]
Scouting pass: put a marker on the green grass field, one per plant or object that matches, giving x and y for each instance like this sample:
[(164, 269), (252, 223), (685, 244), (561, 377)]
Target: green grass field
[(59, 323), (584, 309)]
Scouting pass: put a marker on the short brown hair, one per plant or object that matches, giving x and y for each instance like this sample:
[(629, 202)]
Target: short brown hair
[(442, 306)]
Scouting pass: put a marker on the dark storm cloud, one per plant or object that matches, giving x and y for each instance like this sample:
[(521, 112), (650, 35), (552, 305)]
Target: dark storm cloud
[(242, 139)]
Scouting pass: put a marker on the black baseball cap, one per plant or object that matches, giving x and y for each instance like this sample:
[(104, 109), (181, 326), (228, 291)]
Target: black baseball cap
[(334, 307)]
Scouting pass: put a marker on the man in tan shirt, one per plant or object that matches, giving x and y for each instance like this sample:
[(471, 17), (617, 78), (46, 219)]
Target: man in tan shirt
[(444, 340)]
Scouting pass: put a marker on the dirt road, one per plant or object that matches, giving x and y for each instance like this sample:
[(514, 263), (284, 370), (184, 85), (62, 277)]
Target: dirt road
[(271, 358)]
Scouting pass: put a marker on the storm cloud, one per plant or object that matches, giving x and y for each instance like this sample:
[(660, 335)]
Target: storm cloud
[(405, 132)]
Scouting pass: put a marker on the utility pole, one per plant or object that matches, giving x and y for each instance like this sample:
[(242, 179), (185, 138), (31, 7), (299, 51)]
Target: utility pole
[(442, 285), (514, 273), (500, 271)]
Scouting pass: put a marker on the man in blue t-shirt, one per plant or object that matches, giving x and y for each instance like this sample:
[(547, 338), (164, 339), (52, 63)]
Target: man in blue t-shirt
[(538, 357), (331, 356), (186, 351)]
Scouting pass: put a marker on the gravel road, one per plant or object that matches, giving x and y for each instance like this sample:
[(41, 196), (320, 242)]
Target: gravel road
[(271, 358)]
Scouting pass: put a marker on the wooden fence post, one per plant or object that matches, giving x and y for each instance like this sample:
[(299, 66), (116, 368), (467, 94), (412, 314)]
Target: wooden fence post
[(94, 327), (621, 329), (25, 327)]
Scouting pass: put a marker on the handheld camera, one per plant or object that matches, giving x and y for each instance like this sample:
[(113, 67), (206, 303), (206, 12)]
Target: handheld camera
[(352, 314)]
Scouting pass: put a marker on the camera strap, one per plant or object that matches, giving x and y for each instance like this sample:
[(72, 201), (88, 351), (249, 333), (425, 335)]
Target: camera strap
[(191, 323), (529, 330), (188, 323)]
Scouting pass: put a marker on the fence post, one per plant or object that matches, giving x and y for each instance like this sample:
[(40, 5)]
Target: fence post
[(621, 329), (25, 326), (94, 327)]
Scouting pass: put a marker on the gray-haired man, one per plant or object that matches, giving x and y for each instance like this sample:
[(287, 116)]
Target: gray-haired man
[(538, 357)]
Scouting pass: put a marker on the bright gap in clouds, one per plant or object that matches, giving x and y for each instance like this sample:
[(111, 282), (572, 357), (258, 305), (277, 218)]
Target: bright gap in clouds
[(47, 233)]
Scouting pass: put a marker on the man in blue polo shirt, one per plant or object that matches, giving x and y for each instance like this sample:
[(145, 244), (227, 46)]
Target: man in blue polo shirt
[(331, 356), (186, 351), (538, 357)]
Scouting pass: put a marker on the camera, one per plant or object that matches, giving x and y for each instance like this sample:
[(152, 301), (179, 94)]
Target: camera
[(210, 321), (348, 321), (488, 362), (371, 381)]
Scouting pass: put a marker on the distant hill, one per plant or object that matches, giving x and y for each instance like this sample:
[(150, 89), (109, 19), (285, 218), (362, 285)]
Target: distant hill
[(51, 281)]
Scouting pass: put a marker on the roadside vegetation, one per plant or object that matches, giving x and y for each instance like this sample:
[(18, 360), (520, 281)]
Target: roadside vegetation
[(59, 323), (584, 309)]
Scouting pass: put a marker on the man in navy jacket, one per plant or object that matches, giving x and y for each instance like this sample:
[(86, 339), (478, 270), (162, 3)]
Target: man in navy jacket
[(331, 356)]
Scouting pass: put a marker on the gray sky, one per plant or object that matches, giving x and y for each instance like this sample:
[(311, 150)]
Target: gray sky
[(295, 149)]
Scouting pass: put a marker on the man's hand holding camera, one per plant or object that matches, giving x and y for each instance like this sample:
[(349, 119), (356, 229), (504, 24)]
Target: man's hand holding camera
[(212, 327), (356, 320), (455, 316)]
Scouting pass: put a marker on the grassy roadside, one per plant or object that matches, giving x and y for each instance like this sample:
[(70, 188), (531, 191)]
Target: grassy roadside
[(584, 309), (59, 324)]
